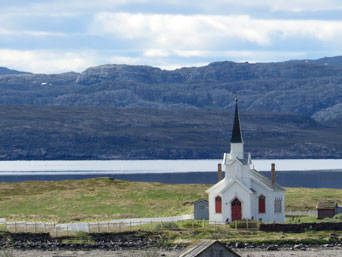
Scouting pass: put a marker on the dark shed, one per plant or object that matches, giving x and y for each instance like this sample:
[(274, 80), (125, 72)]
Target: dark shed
[(201, 210), (208, 248), (326, 209)]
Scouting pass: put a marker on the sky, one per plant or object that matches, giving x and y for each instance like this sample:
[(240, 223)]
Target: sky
[(54, 36)]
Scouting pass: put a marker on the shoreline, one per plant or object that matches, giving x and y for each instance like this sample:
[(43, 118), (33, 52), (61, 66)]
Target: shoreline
[(308, 252)]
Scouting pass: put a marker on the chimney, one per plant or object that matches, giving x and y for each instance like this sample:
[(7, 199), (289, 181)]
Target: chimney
[(219, 172), (273, 173)]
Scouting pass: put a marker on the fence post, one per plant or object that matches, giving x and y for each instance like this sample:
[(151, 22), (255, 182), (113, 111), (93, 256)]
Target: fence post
[(56, 231), (98, 227), (130, 225), (108, 227), (161, 222), (140, 225), (35, 227), (67, 230), (151, 225), (15, 227), (119, 226)]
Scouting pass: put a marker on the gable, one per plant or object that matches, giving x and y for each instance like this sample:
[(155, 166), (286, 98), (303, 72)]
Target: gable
[(237, 182), (217, 186), (200, 202)]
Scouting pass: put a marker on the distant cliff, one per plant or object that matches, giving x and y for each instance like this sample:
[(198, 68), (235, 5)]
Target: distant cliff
[(289, 109), (306, 87)]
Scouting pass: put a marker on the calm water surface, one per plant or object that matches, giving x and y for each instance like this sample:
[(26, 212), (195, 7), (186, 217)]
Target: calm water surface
[(292, 173)]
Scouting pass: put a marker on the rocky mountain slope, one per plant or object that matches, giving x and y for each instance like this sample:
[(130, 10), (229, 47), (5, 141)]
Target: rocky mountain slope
[(64, 132), (290, 109), (306, 87)]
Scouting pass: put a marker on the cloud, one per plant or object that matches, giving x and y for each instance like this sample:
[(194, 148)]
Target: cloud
[(31, 33), (156, 53), (200, 32), (275, 5), (67, 7), (46, 61)]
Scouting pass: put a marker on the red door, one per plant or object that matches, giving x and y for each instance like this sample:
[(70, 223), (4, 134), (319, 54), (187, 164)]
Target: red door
[(236, 210)]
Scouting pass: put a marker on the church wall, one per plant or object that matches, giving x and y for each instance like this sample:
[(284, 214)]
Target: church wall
[(227, 197), (246, 175), (239, 171), (213, 216), (244, 197), (270, 215)]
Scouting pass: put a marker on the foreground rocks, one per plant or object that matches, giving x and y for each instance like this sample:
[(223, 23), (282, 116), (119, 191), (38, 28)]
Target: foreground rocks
[(130, 244), (118, 241)]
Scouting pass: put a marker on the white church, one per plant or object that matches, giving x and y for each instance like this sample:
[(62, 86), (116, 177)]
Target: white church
[(244, 193)]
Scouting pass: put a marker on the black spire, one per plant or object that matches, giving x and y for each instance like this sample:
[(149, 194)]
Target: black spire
[(236, 135)]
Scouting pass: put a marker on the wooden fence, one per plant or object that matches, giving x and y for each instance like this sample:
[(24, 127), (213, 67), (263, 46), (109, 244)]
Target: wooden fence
[(114, 227)]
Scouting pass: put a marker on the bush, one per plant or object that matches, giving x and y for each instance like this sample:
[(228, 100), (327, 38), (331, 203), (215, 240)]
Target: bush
[(192, 224), (243, 224), (167, 225), (338, 217)]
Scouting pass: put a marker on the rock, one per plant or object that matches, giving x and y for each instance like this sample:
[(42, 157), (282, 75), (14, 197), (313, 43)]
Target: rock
[(298, 246), (239, 245), (272, 248)]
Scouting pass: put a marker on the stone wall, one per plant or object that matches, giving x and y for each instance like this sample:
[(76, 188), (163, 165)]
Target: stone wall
[(301, 227)]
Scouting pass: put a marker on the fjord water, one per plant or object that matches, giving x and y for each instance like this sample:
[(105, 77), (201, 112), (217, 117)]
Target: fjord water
[(293, 173)]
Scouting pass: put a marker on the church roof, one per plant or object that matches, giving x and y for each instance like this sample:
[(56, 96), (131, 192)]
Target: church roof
[(265, 181), (217, 185), (236, 134)]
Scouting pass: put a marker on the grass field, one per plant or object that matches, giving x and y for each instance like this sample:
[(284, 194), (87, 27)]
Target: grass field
[(107, 199)]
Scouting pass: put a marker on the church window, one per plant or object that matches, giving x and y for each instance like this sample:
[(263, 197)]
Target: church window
[(218, 204), (277, 205), (262, 204)]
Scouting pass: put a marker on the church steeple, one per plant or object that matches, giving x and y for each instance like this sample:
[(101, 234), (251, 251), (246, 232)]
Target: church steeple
[(236, 134)]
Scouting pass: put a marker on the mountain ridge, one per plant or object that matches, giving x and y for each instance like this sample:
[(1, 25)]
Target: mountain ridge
[(305, 87)]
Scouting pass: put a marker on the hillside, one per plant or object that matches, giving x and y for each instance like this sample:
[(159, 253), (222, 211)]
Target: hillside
[(59, 132), (107, 199), (306, 87), (289, 110)]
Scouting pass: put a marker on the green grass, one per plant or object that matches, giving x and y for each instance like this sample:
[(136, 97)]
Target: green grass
[(106, 199), (301, 199), (95, 199)]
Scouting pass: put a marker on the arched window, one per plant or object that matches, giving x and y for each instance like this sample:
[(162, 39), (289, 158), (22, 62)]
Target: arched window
[(262, 204), (218, 204)]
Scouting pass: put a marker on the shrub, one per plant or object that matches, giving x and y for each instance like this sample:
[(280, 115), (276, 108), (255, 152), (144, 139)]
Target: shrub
[(167, 225), (338, 217), (192, 224), (243, 224)]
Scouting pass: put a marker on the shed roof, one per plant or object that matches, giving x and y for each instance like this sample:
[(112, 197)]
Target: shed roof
[(195, 248), (326, 205)]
